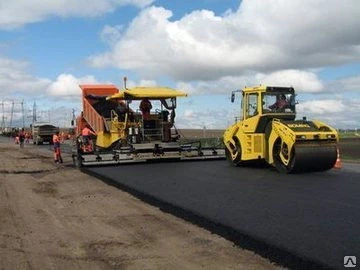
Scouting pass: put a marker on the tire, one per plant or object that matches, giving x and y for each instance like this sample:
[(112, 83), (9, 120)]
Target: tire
[(77, 161), (237, 160), (280, 166)]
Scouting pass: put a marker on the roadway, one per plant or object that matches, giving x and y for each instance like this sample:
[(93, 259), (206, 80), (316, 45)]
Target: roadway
[(300, 221)]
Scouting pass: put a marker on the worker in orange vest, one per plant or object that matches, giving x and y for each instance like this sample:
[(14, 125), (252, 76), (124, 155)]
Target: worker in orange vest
[(85, 133), (57, 150)]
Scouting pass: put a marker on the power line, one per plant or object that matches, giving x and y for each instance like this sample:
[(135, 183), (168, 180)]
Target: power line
[(22, 111), (3, 116), (12, 113)]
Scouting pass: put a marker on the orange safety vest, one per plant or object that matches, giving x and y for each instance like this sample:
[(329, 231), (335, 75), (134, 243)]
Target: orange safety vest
[(86, 132)]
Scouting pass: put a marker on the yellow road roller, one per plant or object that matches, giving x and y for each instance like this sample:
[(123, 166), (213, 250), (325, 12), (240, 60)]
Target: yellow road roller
[(268, 130)]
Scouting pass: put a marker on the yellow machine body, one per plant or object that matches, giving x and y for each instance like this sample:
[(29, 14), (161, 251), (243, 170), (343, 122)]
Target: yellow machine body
[(125, 134), (119, 130), (266, 132)]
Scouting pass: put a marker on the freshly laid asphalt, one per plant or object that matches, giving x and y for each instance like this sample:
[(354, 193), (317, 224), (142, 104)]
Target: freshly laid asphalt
[(300, 221)]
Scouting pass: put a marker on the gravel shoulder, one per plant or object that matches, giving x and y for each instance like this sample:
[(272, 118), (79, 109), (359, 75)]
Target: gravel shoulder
[(55, 217)]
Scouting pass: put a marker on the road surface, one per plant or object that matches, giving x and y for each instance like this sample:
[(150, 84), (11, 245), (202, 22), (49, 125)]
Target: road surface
[(305, 220)]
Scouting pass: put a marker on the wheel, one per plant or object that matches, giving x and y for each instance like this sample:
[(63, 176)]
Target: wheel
[(77, 161), (237, 159), (279, 164)]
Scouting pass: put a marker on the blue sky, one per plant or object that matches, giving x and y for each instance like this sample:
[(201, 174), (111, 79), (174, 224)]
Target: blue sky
[(206, 48)]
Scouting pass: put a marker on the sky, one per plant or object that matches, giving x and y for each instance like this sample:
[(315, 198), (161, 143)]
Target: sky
[(206, 48)]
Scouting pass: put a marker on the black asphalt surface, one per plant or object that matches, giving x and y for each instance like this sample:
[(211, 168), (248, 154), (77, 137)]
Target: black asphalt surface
[(300, 221)]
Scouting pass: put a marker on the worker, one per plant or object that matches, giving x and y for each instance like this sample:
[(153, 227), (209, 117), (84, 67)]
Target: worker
[(145, 107), (57, 150), (85, 133), (27, 137), (121, 111), (62, 137), (280, 104), (21, 138)]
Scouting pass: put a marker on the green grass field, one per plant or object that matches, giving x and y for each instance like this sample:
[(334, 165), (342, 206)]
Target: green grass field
[(349, 134)]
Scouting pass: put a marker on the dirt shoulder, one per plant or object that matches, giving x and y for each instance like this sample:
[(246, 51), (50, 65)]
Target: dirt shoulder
[(350, 149), (55, 217)]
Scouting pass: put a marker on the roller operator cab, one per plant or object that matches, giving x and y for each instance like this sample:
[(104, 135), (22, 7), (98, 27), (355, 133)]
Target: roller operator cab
[(268, 130)]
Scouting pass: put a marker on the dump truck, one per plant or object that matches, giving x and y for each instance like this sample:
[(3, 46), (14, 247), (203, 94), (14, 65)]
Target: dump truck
[(42, 132), (124, 134), (269, 131)]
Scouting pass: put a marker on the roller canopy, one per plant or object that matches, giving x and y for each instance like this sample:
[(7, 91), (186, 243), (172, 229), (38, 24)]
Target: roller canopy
[(148, 92)]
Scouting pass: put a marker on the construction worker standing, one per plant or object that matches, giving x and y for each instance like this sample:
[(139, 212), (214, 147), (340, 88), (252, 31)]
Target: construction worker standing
[(57, 150), (21, 138), (85, 133)]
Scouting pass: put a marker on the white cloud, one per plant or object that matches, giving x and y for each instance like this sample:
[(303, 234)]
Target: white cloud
[(147, 83), (345, 84), (351, 83), (302, 81), (198, 119), (321, 107), (143, 83), (202, 46), (16, 13), (111, 34), (49, 96), (340, 113), (15, 79), (67, 86)]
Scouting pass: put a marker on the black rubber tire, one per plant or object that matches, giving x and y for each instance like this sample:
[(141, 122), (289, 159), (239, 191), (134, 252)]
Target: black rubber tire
[(227, 154), (237, 160), (77, 161), (76, 156), (279, 165)]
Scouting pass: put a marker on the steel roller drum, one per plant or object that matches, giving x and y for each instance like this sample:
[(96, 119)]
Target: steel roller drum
[(310, 158)]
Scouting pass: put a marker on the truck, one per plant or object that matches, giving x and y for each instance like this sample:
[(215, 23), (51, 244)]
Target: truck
[(124, 134), (269, 131), (43, 132)]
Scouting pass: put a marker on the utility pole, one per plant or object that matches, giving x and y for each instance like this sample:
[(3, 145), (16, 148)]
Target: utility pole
[(3, 117), (34, 113), (12, 113), (23, 116), (73, 118)]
